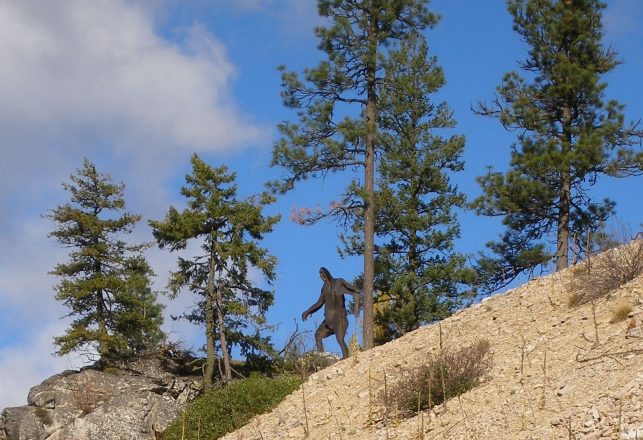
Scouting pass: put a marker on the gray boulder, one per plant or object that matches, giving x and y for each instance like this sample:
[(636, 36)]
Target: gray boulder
[(129, 403)]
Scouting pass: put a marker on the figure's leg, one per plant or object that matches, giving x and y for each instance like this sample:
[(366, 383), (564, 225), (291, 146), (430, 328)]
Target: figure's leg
[(322, 332), (342, 344), (340, 335)]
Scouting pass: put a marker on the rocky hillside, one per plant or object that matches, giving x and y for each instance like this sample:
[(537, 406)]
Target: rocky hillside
[(559, 372), (130, 403)]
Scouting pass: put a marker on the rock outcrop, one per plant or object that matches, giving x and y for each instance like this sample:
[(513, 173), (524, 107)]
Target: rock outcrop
[(129, 403)]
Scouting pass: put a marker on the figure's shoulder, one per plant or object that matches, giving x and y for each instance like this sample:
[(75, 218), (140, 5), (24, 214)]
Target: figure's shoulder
[(341, 282)]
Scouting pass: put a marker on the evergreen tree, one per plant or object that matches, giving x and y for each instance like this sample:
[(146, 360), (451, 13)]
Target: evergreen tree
[(337, 105), (419, 278), (568, 136), (106, 283), (229, 231)]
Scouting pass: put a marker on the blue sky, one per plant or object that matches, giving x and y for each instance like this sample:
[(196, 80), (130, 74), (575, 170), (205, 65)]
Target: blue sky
[(137, 86)]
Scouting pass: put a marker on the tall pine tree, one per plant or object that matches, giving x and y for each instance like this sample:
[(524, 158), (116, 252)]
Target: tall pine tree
[(229, 231), (568, 136), (419, 278), (338, 104), (106, 282)]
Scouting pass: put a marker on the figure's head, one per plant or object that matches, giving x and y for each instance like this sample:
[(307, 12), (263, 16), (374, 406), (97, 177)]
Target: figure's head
[(324, 274)]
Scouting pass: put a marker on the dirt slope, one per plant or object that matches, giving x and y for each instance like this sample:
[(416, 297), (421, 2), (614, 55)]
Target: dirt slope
[(550, 380)]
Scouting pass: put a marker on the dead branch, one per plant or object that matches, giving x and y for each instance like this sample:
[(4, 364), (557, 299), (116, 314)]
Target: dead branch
[(579, 357)]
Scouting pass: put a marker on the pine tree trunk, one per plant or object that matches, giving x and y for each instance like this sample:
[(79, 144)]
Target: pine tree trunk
[(369, 182), (101, 312), (562, 247), (209, 333), (562, 242), (227, 365), (411, 283), (215, 295), (102, 327)]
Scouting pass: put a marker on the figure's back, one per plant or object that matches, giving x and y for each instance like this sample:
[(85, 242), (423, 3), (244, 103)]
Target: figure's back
[(334, 309)]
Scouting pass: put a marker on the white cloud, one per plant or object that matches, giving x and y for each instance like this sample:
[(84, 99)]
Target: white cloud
[(93, 78), (99, 69), (252, 5), (299, 18), (295, 18), (25, 365), (24, 264)]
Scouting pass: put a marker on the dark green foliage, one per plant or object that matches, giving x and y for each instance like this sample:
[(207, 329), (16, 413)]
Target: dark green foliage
[(106, 283), (229, 231), (227, 409), (141, 318), (568, 135), (337, 104), (444, 377)]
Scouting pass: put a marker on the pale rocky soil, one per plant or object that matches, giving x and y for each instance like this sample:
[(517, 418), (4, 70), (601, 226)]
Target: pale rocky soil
[(550, 379)]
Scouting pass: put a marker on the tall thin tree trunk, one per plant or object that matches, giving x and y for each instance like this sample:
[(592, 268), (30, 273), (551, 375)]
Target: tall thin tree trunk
[(411, 281), (102, 327), (227, 364), (214, 295), (209, 331), (101, 312), (564, 203), (562, 246), (369, 182)]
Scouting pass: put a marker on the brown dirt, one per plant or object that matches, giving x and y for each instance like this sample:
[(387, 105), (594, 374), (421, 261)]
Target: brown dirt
[(551, 378)]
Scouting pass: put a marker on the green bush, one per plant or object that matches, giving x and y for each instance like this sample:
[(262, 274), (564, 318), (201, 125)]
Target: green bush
[(228, 408), (443, 377)]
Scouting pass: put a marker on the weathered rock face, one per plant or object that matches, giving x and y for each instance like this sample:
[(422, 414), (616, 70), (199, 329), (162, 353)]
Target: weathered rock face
[(130, 403)]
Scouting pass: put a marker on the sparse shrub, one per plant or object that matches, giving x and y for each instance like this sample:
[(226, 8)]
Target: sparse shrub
[(621, 313), (574, 299), (443, 377), (178, 360), (353, 345), (615, 266), (87, 398), (297, 356), (111, 370), (306, 363), (43, 416), (316, 361), (228, 408)]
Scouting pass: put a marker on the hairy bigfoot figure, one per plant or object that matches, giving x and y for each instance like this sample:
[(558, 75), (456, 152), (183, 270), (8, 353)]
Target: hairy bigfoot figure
[(335, 316)]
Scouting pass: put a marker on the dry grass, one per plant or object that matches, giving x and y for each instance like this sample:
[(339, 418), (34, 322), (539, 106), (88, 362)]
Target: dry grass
[(443, 377), (621, 313), (574, 299), (87, 397), (602, 275)]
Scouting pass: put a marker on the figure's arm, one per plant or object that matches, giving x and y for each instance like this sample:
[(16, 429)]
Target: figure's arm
[(354, 291), (312, 309), (348, 286)]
